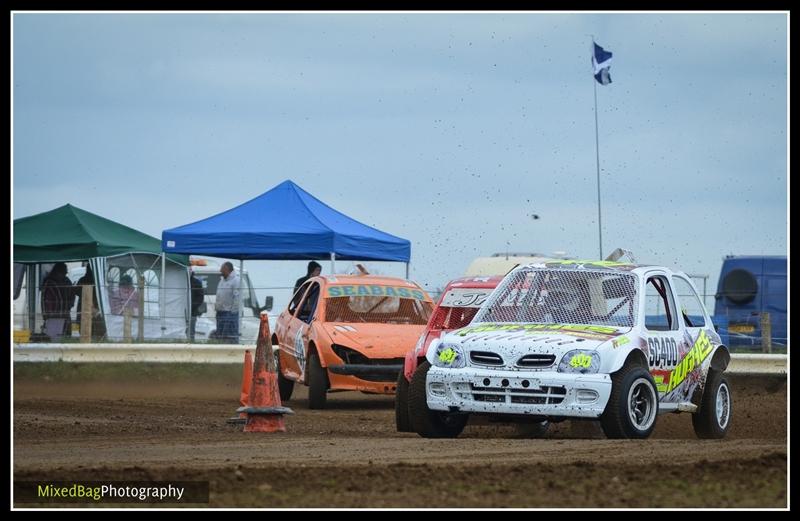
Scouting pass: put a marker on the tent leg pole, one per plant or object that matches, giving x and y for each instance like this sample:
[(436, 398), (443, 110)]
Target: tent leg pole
[(162, 294), (241, 294), (407, 271), (333, 263), (31, 279)]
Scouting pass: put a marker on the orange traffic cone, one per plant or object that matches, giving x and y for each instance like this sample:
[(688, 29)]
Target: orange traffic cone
[(247, 378), (264, 410)]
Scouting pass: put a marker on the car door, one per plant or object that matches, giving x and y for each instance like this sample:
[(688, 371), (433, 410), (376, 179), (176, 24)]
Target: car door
[(299, 331), (662, 330), (286, 331), (694, 321)]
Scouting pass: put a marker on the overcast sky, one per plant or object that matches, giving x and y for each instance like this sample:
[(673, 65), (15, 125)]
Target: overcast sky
[(451, 130)]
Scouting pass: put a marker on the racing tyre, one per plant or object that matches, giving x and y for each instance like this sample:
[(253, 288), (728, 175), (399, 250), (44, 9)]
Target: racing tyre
[(713, 418), (285, 386), (425, 422), (633, 405), (401, 405), (532, 430), (317, 383)]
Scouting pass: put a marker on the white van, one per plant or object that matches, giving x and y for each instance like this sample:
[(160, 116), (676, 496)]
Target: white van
[(207, 270)]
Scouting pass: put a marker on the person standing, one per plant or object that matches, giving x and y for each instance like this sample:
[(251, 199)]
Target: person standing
[(98, 325), (198, 301), (125, 297), (314, 269), (58, 297), (227, 304)]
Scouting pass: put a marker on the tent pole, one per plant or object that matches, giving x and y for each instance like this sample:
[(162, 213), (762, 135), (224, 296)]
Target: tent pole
[(333, 263), (407, 270), (162, 294), (30, 295), (241, 294)]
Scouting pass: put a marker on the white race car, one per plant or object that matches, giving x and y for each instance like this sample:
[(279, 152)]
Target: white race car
[(579, 339)]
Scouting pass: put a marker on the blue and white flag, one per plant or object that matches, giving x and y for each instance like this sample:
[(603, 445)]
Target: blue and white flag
[(601, 62)]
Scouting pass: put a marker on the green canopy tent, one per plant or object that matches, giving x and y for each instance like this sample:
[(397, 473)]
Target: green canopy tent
[(113, 250)]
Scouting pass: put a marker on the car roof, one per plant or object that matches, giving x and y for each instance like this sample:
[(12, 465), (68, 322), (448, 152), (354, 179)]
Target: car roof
[(209, 266), (607, 266), (579, 265), (475, 282), (381, 280)]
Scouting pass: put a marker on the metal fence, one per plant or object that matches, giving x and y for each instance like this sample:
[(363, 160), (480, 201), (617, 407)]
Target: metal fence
[(140, 313), (750, 332), (754, 332)]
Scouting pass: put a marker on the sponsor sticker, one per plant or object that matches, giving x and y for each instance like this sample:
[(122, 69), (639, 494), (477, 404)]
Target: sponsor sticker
[(577, 330), (694, 357), (447, 355), (465, 298), (372, 290), (581, 360)]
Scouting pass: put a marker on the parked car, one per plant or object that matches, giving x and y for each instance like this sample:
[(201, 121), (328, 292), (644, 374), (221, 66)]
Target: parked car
[(348, 333), (459, 302), (749, 286), (579, 339)]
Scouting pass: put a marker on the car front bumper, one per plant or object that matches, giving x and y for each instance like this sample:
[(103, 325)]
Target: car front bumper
[(369, 372), (496, 391)]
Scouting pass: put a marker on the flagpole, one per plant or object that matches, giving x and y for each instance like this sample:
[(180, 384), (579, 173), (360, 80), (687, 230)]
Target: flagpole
[(597, 154)]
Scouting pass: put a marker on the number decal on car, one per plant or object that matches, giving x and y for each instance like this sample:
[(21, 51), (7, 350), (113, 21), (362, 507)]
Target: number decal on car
[(447, 356)]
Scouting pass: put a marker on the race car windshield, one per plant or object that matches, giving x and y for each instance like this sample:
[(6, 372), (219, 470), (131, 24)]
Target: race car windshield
[(447, 318), (553, 296), (378, 310)]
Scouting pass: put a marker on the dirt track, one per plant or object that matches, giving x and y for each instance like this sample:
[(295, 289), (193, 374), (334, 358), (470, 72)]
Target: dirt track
[(350, 455)]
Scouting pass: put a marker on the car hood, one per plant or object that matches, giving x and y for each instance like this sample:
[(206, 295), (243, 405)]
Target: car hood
[(375, 340), (515, 340)]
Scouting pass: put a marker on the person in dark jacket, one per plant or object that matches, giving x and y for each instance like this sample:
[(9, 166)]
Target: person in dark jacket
[(198, 301), (314, 269), (58, 297)]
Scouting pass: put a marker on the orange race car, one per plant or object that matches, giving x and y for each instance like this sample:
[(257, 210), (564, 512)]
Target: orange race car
[(348, 333)]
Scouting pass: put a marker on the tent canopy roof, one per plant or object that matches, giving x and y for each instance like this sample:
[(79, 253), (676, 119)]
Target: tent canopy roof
[(70, 234), (285, 223)]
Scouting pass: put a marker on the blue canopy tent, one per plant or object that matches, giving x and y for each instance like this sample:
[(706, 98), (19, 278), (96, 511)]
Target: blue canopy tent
[(285, 223)]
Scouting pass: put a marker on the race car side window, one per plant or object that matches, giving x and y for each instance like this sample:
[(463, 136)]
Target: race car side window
[(309, 304), (691, 309), (659, 307), (296, 297)]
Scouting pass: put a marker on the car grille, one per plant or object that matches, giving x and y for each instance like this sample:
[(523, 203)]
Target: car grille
[(376, 377), (546, 395), (536, 361), (485, 358)]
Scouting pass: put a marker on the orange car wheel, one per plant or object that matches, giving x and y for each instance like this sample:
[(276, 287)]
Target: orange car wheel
[(285, 386), (317, 383)]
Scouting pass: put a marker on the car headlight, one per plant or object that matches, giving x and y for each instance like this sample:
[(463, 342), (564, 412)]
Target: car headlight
[(449, 355), (579, 361)]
